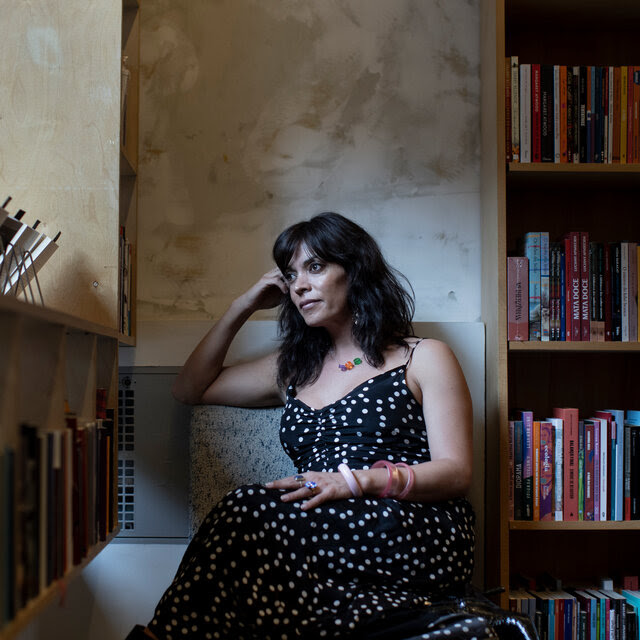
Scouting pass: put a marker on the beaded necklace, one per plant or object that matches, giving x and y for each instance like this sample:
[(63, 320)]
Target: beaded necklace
[(349, 364)]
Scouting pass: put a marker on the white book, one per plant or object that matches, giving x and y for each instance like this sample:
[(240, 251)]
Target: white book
[(624, 289), (604, 476), (525, 113), (558, 478)]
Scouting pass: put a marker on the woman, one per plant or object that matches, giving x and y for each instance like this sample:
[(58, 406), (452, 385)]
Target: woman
[(378, 424)]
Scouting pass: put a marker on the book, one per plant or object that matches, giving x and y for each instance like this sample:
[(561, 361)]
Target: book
[(518, 298), (544, 287), (518, 438), (515, 109), (531, 251), (570, 459), (589, 470), (558, 467), (585, 315), (525, 112), (546, 501)]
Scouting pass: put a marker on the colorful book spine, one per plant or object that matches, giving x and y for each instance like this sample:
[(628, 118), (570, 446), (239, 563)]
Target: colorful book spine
[(518, 298), (546, 471), (570, 456), (544, 287), (532, 253)]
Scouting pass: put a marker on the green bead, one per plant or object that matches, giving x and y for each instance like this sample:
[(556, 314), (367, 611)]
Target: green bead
[(357, 361)]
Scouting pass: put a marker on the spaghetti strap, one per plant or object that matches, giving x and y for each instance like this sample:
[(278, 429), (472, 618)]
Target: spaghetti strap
[(413, 348)]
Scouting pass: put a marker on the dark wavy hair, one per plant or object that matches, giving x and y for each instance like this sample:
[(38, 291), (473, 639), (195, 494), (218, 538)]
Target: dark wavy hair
[(380, 304)]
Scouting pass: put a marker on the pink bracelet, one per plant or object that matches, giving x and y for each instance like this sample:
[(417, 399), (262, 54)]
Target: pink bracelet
[(410, 480), (347, 474), (394, 478)]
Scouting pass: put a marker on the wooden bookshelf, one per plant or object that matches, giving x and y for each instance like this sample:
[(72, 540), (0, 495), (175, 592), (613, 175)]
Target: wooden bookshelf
[(52, 360), (519, 197), (68, 166)]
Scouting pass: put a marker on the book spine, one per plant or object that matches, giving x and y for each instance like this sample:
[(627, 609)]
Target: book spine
[(564, 145), (546, 471), (570, 457), (558, 468), (622, 133), (507, 110), (527, 465), (544, 287), (546, 116), (614, 128), (580, 470), (583, 114), (589, 457), (624, 290), (535, 113), (515, 109), (633, 292), (525, 112), (517, 469), (536, 470), (518, 298), (585, 315), (616, 291), (532, 253), (556, 114)]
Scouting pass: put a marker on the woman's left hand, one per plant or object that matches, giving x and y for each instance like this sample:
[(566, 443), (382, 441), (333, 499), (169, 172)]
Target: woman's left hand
[(328, 487)]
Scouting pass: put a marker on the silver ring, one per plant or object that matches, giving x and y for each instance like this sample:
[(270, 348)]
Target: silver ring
[(299, 479)]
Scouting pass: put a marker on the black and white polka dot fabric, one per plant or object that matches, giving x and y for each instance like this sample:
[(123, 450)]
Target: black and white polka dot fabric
[(262, 568)]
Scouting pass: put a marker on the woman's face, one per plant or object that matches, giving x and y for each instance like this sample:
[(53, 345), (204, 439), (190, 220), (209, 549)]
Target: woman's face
[(318, 289)]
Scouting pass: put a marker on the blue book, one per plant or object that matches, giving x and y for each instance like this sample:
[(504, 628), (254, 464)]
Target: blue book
[(532, 252), (617, 463)]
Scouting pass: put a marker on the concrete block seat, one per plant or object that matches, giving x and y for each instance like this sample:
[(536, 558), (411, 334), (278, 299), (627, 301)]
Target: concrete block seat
[(232, 446)]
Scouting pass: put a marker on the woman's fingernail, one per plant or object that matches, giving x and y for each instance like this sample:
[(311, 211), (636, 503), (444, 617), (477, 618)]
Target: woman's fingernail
[(269, 485)]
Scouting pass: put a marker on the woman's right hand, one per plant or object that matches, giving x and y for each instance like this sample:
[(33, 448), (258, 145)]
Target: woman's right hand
[(267, 292)]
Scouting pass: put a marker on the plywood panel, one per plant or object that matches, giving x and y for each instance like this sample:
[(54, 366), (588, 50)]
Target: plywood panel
[(59, 156)]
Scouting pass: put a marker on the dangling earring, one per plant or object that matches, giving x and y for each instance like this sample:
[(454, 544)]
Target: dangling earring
[(356, 319)]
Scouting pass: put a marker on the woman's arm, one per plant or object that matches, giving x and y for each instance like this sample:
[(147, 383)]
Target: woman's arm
[(448, 415), (204, 380)]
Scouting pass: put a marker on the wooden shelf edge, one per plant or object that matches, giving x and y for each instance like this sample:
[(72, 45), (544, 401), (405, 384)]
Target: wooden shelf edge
[(10, 304), (54, 590), (126, 341), (582, 525), (570, 167), (606, 347)]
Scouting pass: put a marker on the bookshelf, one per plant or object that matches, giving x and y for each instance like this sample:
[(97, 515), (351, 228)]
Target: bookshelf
[(49, 358), (61, 156), (66, 163), (520, 197)]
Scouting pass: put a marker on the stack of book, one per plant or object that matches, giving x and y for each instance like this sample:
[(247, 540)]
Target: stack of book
[(579, 114), (56, 500), (573, 289), (570, 468), (591, 612), (23, 252)]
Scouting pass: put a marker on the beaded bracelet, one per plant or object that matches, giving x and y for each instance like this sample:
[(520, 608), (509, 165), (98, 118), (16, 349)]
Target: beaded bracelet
[(410, 480), (394, 478), (347, 474)]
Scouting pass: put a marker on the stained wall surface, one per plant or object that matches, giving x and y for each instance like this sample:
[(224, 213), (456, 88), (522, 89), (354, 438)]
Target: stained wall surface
[(257, 114)]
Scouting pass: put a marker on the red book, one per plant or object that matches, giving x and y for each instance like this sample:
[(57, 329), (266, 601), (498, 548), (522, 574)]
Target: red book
[(570, 459), (563, 114), (536, 139), (585, 315), (518, 298), (572, 285), (589, 460), (605, 509)]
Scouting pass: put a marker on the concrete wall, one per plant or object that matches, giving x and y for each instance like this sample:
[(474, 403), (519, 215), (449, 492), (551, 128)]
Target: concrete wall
[(257, 114)]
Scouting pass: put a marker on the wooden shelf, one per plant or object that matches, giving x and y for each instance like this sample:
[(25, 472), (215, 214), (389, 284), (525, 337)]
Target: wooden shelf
[(10, 304), (575, 347), (51, 593), (526, 525)]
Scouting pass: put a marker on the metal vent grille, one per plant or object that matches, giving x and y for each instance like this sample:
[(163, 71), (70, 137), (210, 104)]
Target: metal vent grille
[(126, 494), (126, 412)]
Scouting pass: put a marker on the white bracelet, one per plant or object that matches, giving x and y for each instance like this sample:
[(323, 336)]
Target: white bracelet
[(347, 474)]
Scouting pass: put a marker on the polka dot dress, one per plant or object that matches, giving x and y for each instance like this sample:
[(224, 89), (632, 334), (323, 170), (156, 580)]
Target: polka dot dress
[(262, 568)]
